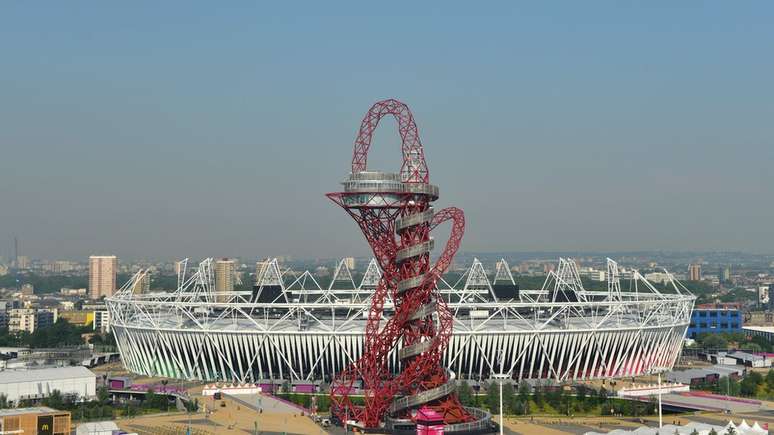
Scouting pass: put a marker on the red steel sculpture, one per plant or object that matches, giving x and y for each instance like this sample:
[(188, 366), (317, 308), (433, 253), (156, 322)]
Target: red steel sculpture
[(395, 214)]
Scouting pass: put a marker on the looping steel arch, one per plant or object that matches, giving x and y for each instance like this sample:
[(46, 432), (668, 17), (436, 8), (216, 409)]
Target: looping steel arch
[(414, 168), (396, 219)]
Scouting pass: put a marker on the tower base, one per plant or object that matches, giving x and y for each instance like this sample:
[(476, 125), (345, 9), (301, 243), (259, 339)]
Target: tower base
[(483, 424)]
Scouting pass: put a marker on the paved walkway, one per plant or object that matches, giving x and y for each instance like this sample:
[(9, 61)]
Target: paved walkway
[(239, 416), (267, 403)]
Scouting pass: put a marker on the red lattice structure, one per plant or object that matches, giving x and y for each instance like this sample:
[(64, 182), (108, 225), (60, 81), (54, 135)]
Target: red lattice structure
[(395, 214)]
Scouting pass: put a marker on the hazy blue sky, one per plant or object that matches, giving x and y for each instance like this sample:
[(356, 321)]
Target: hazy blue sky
[(169, 129)]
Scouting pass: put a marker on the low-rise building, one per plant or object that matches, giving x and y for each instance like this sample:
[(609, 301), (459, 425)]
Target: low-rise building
[(78, 318), (98, 428), (750, 359), (73, 291), (592, 274), (706, 375), (45, 317), (659, 277), (101, 321), (21, 320), (766, 332), (27, 289), (34, 384), (714, 318), (37, 420), (30, 319)]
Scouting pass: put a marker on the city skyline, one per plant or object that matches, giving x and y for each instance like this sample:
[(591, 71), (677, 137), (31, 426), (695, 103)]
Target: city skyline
[(130, 132)]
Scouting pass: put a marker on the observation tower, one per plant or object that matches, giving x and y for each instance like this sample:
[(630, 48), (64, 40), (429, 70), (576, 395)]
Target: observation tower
[(395, 214)]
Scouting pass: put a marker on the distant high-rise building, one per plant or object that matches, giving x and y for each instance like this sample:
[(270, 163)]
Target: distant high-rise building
[(763, 296), (694, 272), (142, 285), (225, 269), (62, 266), (350, 262), (725, 274), (179, 267), (260, 269), (22, 262), (102, 275)]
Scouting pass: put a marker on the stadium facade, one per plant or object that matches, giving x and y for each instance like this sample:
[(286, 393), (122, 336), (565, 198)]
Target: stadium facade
[(288, 327)]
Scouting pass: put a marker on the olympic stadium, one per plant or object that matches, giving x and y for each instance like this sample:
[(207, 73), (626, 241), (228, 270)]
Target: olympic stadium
[(404, 334), (289, 327)]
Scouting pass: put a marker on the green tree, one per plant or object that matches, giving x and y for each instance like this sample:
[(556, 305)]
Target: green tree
[(151, 398), (519, 407), (728, 386), (770, 380), (465, 393), (749, 385), (103, 395), (582, 400), (508, 398), (524, 392), (601, 395), (493, 398), (54, 400), (712, 341), (554, 397), (565, 400), (538, 397)]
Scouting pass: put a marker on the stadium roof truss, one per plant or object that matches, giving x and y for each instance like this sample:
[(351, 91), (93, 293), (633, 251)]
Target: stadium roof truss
[(309, 331)]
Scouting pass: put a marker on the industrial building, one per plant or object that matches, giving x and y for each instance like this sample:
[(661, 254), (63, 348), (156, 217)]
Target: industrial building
[(766, 332), (34, 384)]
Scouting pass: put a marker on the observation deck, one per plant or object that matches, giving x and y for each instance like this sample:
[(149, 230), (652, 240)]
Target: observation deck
[(381, 189)]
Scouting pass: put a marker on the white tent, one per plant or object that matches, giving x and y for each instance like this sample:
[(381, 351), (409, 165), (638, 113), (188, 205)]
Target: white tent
[(700, 428)]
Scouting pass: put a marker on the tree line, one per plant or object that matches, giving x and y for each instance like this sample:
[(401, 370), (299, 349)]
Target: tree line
[(539, 399), (61, 334)]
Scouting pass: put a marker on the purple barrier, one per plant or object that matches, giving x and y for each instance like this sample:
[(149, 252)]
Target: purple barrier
[(303, 388), (721, 397), (268, 388)]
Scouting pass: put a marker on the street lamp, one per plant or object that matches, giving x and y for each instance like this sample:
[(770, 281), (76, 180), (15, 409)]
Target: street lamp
[(501, 378), (658, 374)]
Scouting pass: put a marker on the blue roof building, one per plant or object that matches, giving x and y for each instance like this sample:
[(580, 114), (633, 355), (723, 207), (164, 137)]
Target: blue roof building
[(714, 318)]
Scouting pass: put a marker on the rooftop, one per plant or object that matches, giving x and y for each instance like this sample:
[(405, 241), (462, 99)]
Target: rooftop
[(99, 426), (50, 374), (32, 410)]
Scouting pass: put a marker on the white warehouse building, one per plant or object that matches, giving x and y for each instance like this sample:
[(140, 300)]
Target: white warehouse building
[(18, 385)]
